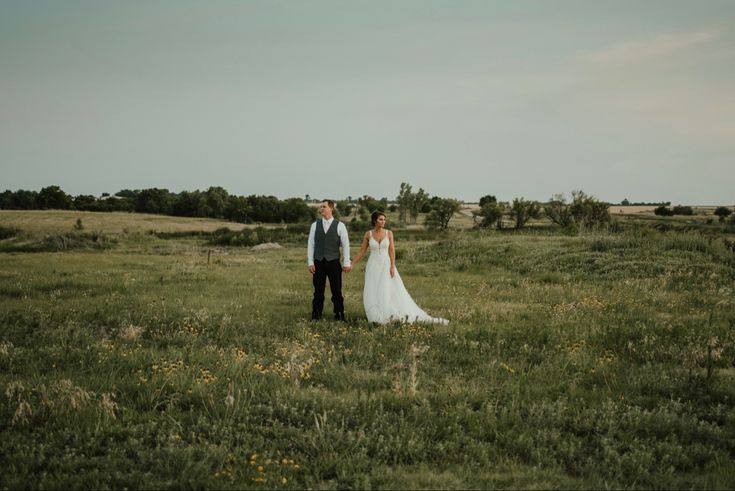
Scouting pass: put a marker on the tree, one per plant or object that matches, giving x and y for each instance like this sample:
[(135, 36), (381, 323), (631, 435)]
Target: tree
[(368, 204), (86, 202), (487, 200), (18, 200), (238, 210), (683, 210), (559, 211), (127, 193), (589, 212), (410, 204), (343, 209), (216, 199), (25, 200), (491, 214), (523, 210), (53, 197), (441, 213), (190, 204), (663, 211), (420, 198), (6, 199), (265, 208), (115, 203), (723, 212), (405, 201), (154, 200), (296, 210)]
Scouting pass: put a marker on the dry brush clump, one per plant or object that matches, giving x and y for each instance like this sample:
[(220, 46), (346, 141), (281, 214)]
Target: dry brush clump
[(406, 373), (61, 398), (130, 333)]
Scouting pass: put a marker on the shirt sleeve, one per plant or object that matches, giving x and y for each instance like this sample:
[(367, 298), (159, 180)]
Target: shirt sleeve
[(310, 245), (342, 231)]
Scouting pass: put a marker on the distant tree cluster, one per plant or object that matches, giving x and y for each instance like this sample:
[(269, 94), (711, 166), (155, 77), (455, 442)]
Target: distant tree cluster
[(367, 204), (665, 211), (439, 211), (584, 211), (722, 212), (490, 212), (215, 202), (625, 202), (442, 210), (410, 204)]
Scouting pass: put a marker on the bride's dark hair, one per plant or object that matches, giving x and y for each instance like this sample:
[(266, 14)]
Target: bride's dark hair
[(374, 216)]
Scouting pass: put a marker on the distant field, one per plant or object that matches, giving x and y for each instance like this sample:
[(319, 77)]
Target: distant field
[(58, 221), (629, 210), (648, 210)]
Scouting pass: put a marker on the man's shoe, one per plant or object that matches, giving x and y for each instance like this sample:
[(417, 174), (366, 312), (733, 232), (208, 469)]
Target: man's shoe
[(315, 317), (340, 316)]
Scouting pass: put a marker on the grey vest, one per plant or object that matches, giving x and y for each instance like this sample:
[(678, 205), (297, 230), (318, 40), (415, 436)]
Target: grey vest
[(326, 244)]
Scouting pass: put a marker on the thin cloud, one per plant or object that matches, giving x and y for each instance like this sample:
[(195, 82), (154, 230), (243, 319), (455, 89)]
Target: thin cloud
[(659, 46)]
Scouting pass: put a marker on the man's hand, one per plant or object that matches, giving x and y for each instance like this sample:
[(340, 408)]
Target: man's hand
[(312, 269), (347, 269)]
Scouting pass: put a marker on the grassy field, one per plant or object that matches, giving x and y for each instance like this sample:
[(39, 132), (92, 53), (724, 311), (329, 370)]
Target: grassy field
[(133, 360), (116, 223)]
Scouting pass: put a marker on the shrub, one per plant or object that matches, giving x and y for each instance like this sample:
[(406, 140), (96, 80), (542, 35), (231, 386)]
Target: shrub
[(8, 232), (522, 210), (558, 211), (491, 214), (589, 212), (722, 212), (682, 210), (442, 212), (61, 242)]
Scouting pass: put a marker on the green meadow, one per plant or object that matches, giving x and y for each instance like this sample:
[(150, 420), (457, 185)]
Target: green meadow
[(136, 352)]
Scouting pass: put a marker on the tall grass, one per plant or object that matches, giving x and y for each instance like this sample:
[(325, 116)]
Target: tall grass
[(570, 362)]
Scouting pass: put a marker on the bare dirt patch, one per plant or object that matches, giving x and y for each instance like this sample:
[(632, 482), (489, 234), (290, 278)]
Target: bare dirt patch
[(631, 210)]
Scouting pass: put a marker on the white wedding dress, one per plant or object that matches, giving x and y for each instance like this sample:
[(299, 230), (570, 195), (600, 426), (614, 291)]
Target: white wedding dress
[(385, 298)]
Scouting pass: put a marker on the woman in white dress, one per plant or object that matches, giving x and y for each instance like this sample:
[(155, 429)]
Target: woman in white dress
[(384, 296)]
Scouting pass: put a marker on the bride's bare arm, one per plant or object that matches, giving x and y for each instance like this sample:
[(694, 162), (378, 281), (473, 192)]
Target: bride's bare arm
[(392, 254), (363, 248)]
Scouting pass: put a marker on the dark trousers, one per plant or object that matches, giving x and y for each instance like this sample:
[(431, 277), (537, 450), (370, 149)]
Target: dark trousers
[(333, 271)]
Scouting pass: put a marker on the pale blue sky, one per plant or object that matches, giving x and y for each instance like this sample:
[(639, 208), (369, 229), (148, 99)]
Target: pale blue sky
[(623, 99)]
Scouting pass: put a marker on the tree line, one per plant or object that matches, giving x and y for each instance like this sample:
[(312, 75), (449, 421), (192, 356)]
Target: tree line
[(215, 202), (582, 211)]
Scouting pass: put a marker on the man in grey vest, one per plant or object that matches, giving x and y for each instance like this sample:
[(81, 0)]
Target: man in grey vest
[(325, 238)]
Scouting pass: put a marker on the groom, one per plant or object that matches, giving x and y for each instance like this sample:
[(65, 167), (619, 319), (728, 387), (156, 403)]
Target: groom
[(325, 238)]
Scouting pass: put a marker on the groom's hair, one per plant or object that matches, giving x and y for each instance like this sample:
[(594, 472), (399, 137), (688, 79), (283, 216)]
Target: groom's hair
[(329, 203)]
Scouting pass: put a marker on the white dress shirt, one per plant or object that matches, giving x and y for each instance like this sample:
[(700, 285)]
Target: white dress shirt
[(341, 232)]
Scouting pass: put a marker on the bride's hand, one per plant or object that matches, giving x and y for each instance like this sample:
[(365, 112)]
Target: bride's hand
[(392, 271)]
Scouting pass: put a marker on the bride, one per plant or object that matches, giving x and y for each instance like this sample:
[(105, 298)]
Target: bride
[(384, 296)]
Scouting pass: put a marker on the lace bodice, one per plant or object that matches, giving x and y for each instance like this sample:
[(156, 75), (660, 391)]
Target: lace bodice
[(379, 248)]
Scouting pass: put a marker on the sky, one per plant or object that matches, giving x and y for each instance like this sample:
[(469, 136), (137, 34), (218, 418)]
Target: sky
[(621, 99)]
